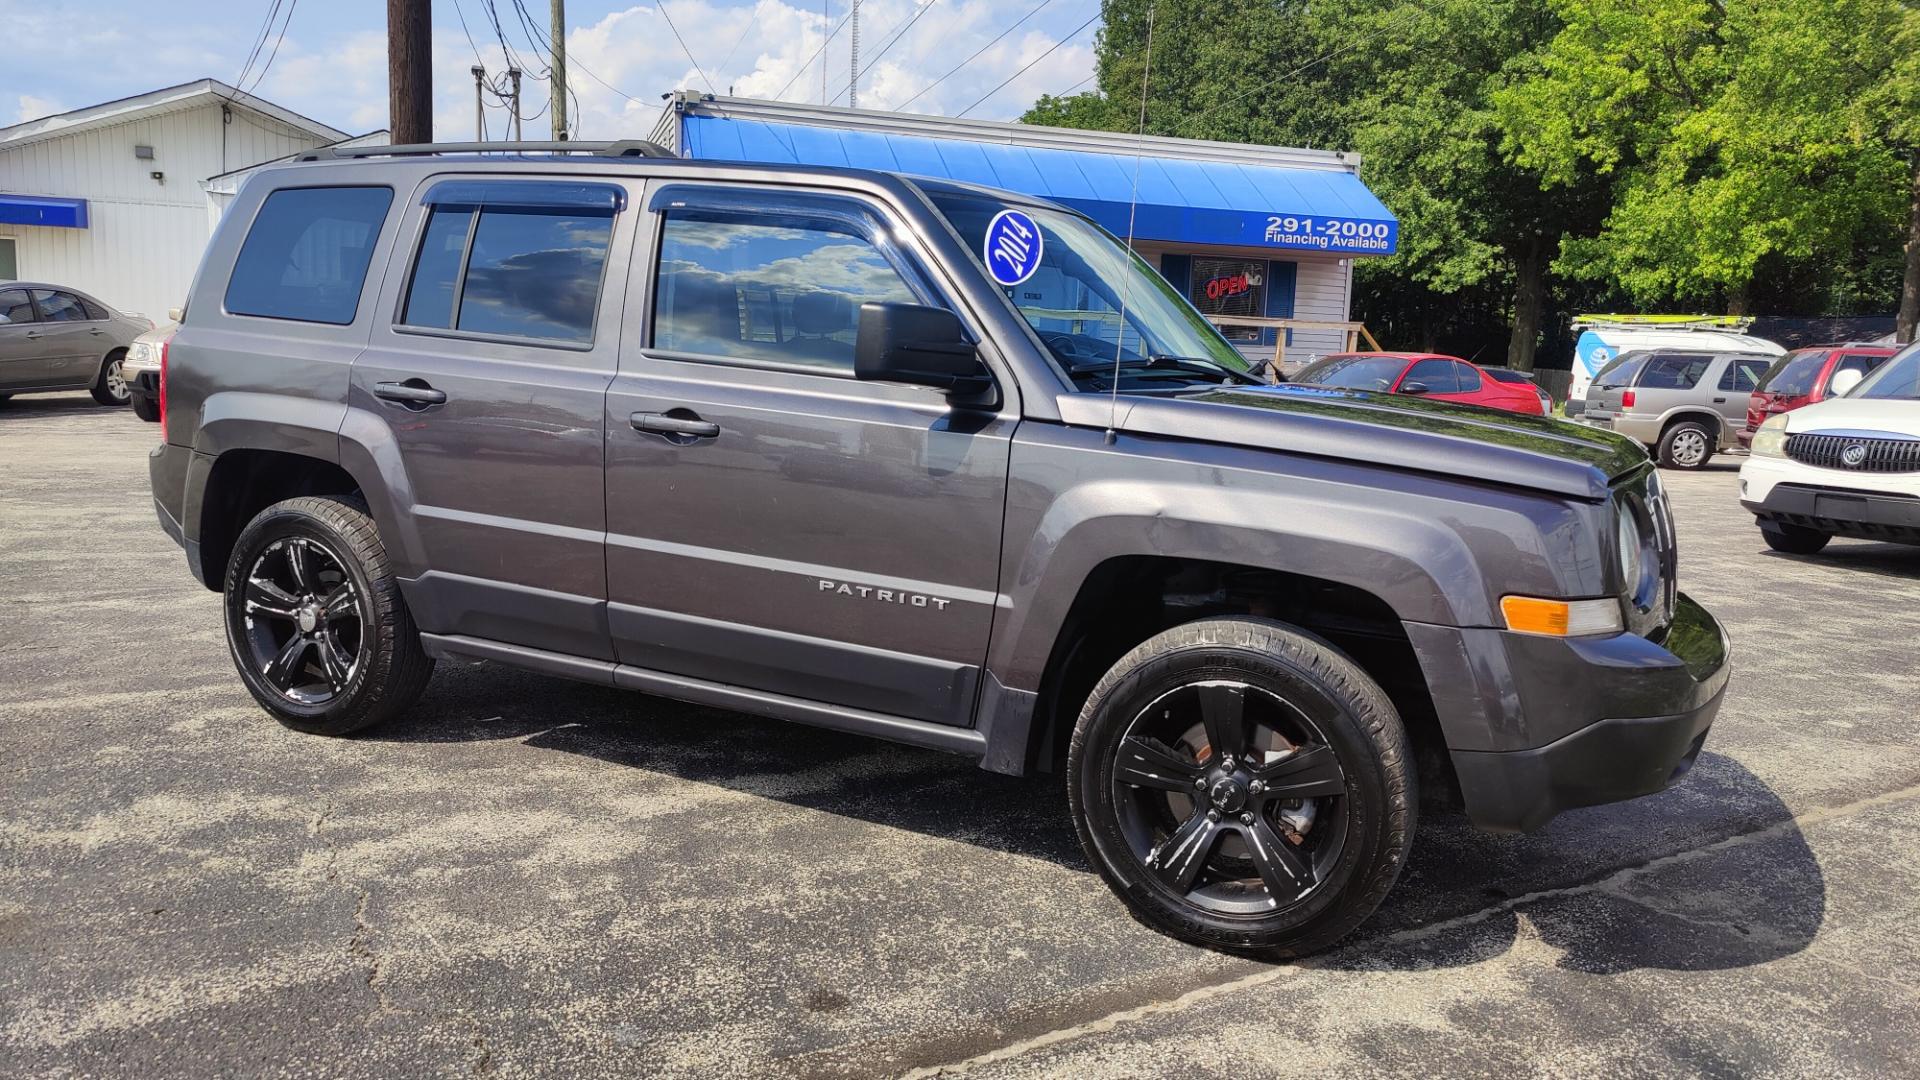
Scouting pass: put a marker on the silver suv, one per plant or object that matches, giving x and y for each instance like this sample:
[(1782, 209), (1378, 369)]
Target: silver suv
[(1683, 404)]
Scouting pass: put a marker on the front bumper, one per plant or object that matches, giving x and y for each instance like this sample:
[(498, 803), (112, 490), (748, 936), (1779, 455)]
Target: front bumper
[(1863, 515), (1538, 725)]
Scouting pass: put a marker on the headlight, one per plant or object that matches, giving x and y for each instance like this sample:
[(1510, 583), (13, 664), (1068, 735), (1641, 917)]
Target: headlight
[(1771, 439)]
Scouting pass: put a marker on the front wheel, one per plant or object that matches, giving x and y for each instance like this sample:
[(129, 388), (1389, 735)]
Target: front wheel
[(146, 408), (315, 620), (1794, 539), (1242, 785), (110, 386)]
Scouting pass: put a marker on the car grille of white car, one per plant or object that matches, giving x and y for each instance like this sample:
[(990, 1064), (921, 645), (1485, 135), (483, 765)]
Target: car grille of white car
[(1856, 453)]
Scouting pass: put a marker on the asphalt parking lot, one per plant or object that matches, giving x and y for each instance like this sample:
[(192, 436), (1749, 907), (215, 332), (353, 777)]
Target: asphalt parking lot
[(536, 878)]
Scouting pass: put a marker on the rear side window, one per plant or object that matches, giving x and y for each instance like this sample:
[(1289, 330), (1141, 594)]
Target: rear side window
[(1793, 374), (513, 259), (1742, 375), (1674, 371), (59, 306), (15, 307), (1468, 377), (306, 256), (1864, 363)]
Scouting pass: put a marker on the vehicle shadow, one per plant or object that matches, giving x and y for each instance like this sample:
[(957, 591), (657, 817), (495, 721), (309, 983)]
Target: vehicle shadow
[(1889, 560), (45, 406), (1713, 874)]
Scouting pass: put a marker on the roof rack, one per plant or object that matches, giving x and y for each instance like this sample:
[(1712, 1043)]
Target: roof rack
[(1735, 323), (623, 148)]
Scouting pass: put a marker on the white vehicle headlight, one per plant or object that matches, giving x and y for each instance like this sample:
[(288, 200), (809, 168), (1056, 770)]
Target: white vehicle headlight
[(1771, 439)]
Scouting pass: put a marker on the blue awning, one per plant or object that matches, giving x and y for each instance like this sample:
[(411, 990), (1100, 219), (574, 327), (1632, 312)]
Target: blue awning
[(43, 210), (1180, 200)]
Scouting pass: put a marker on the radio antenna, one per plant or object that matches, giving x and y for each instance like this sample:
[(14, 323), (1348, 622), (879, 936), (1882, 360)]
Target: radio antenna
[(1133, 206)]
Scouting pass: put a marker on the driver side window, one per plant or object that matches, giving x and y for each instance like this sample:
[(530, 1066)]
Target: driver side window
[(1436, 375)]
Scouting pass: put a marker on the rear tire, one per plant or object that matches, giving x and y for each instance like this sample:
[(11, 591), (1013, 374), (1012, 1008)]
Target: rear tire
[(315, 621), (1688, 444), (146, 408), (1202, 841), (1794, 539), (110, 386)]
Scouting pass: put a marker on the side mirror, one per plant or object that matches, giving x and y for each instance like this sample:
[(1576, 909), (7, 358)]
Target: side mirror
[(175, 314), (925, 346), (1413, 388), (1843, 381)]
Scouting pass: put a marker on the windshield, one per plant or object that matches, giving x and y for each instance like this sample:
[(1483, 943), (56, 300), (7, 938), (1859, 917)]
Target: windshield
[(1793, 374), (1074, 301), (1897, 380), (1353, 372)]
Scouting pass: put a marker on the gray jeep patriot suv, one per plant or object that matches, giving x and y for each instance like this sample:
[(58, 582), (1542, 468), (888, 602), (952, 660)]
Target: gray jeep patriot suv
[(924, 461)]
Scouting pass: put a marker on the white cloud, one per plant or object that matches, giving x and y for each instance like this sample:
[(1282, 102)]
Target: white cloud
[(33, 108)]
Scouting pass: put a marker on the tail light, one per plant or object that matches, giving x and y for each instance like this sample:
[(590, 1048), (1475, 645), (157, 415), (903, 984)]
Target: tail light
[(164, 346), (1626, 399)]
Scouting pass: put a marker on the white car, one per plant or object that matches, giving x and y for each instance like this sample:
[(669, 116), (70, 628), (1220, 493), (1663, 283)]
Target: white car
[(1847, 466)]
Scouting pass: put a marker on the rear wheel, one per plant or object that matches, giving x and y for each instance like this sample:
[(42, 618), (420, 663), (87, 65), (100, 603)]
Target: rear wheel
[(315, 621), (110, 387), (1242, 785), (1793, 539), (1686, 445)]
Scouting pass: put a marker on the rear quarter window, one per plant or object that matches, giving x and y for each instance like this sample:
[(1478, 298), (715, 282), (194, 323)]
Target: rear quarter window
[(305, 256)]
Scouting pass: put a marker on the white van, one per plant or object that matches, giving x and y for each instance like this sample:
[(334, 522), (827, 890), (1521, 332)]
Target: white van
[(1602, 339)]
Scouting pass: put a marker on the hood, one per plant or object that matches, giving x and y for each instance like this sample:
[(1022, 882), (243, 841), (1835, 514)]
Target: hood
[(1394, 430), (1892, 415)]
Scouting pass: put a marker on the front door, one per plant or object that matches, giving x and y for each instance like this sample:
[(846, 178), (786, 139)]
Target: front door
[(22, 361), (74, 342), (489, 386), (772, 522)]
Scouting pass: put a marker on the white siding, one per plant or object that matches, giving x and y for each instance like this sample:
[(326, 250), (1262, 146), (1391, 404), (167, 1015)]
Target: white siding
[(1321, 291), (144, 236)]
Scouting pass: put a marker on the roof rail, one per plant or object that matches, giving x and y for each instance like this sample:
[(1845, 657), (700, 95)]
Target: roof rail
[(620, 149), (1736, 323)]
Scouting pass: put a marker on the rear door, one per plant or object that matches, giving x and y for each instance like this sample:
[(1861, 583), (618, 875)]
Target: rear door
[(486, 379), (1734, 390), (1670, 379), (74, 340), (22, 365), (803, 533)]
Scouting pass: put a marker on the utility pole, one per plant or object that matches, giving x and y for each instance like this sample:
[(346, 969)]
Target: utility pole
[(479, 104), (513, 75), (853, 57), (558, 63), (410, 70)]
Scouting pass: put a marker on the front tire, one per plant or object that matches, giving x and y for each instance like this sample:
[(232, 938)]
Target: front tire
[(1242, 785), (315, 621), (1688, 444), (146, 408), (1794, 539), (110, 386)]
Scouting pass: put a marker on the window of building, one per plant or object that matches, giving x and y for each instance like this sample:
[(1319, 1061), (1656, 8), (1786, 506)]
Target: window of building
[(9, 259), (738, 285), (513, 259), (59, 306), (306, 256), (1230, 287)]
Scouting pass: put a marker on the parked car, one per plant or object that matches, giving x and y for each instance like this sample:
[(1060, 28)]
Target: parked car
[(1522, 378), (56, 338), (1442, 378), (486, 421), (1805, 376), (1603, 340), (141, 370), (1846, 466), (1682, 404)]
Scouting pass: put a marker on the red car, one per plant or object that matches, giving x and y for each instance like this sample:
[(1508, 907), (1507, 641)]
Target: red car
[(1805, 376), (1445, 378)]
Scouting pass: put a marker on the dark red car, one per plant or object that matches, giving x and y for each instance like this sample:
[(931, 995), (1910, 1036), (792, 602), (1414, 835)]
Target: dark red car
[(1805, 376), (1445, 378)]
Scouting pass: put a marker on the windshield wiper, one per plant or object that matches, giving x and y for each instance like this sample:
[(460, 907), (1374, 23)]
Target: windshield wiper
[(1162, 362)]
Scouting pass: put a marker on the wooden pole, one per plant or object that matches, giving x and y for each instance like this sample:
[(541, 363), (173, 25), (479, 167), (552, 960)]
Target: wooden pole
[(410, 70), (559, 64)]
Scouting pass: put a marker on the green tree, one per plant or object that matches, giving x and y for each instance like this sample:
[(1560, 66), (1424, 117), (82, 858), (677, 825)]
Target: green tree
[(1743, 135)]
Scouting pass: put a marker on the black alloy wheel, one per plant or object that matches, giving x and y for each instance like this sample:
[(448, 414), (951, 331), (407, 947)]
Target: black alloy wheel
[(304, 626), (1241, 784)]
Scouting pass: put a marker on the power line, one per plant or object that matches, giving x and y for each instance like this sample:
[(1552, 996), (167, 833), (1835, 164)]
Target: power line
[(292, 6), (883, 49), (1003, 85), (923, 90), (816, 55), (259, 42), (697, 69)]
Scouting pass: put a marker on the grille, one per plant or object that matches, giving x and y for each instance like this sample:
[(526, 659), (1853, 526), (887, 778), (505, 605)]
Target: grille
[(1855, 453)]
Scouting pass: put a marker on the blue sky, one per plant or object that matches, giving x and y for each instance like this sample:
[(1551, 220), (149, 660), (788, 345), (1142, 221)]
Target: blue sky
[(331, 64)]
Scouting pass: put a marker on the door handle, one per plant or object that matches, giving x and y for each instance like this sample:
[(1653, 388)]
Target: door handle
[(1719, 401), (414, 393), (95, 331), (683, 428), (32, 334)]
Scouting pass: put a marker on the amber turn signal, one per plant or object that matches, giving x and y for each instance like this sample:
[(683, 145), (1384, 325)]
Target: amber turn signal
[(1561, 618)]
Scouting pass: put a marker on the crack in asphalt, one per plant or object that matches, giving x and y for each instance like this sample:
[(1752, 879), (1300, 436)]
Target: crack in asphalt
[(1610, 884)]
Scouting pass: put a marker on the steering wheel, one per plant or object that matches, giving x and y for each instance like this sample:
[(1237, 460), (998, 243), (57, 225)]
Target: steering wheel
[(1062, 344)]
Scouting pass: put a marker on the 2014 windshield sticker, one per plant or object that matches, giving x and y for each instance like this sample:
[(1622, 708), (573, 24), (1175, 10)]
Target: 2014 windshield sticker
[(1013, 247), (1329, 234)]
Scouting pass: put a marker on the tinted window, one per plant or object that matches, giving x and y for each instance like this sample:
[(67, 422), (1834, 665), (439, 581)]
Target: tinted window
[(95, 311), (15, 307), (1673, 371), (1899, 378), (1620, 371), (430, 296), (1438, 375), (1468, 378), (1352, 372), (1742, 376), (305, 258), (1864, 363), (535, 273), (59, 306), (1793, 374), (791, 293)]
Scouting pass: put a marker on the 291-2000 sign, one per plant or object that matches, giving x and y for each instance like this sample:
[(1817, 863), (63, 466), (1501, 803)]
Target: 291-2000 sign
[(1329, 233)]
